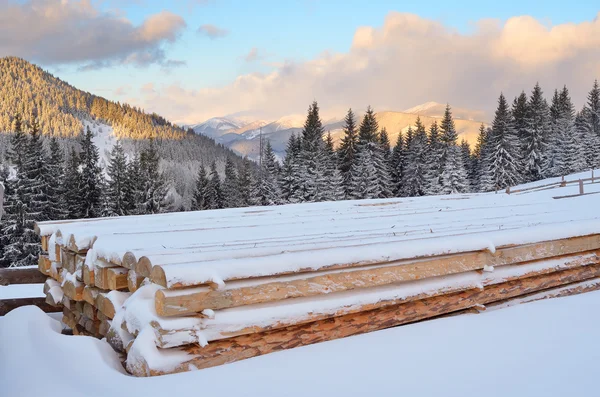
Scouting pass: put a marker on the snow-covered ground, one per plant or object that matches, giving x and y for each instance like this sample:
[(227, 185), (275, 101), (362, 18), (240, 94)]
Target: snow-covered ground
[(104, 139), (545, 348)]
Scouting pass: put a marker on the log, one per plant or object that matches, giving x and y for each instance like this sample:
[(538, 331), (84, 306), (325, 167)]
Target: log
[(67, 260), (6, 305), (188, 301), (108, 303), (104, 327), (134, 280), (87, 274), (16, 275), (428, 266), (90, 311), (69, 319), (68, 303), (44, 242), (73, 289), (143, 267), (169, 337), (110, 278), (90, 294), (53, 299), (258, 343), (44, 264)]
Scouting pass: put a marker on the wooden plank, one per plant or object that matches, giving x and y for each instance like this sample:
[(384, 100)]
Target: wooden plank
[(111, 278), (67, 260), (105, 305), (182, 302), (44, 242), (44, 264), (167, 337), (435, 266), (258, 343), (16, 275), (6, 305)]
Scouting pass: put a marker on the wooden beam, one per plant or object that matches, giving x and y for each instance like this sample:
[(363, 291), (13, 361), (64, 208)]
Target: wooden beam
[(16, 275), (430, 266), (87, 274), (6, 305), (90, 294), (134, 280), (111, 278), (258, 343), (183, 302), (73, 289)]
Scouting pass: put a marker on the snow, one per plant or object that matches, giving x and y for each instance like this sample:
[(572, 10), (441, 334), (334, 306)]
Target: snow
[(17, 291), (545, 348), (104, 139)]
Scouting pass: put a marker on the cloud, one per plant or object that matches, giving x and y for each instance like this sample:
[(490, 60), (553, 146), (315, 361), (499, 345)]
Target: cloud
[(212, 31), (122, 90), (254, 55), (69, 32), (407, 61)]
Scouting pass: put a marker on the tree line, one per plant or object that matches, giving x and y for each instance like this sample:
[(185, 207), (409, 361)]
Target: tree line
[(527, 141)]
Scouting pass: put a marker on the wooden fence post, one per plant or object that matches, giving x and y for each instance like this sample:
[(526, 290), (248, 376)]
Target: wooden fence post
[(580, 186)]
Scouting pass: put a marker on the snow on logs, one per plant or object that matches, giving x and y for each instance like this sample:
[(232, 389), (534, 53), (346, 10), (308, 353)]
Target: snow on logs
[(183, 291)]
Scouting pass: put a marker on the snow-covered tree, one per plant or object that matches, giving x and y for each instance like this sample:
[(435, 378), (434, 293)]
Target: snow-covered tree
[(502, 164), (116, 194), (266, 189), (347, 149), (154, 194), (213, 196), (231, 186), (91, 174), (415, 175), (290, 178), (246, 181), (199, 202), (397, 165), (535, 137), (453, 178), (434, 158), (56, 176)]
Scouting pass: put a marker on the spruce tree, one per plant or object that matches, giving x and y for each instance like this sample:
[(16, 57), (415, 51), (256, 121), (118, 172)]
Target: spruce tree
[(34, 179), (503, 165), (134, 189), (72, 187), (266, 189), (91, 174), (291, 179), (56, 176), (453, 178), (397, 165), (312, 167), (593, 104), (415, 177), (521, 122), (199, 202), (155, 188), (465, 150), (246, 182), (117, 185), (434, 164), (347, 149), (231, 186), (535, 137), (333, 178), (213, 194)]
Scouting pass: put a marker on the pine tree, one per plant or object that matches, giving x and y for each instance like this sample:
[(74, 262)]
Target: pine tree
[(553, 162), (479, 160), (453, 178), (467, 160), (434, 156), (291, 180), (593, 104), (134, 188), (213, 194), (566, 144), (116, 195), (397, 165), (56, 176), (521, 121), (590, 143), (347, 149), (231, 186), (535, 137), (245, 183), (91, 174), (312, 168), (199, 202), (18, 144), (503, 166), (266, 190), (33, 180), (72, 187), (155, 189), (333, 177), (415, 177)]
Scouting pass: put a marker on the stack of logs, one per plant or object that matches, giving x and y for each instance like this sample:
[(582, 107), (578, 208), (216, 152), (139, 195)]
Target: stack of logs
[(169, 310)]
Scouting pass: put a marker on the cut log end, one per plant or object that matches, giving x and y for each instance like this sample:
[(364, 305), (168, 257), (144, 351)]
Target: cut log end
[(158, 276)]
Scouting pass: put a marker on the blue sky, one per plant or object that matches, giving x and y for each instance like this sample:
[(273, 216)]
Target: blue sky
[(294, 29), (413, 51)]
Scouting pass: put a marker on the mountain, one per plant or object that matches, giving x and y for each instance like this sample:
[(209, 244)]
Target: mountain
[(245, 140), (64, 111)]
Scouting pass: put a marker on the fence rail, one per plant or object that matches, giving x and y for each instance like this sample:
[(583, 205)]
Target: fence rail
[(28, 275), (561, 183)]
